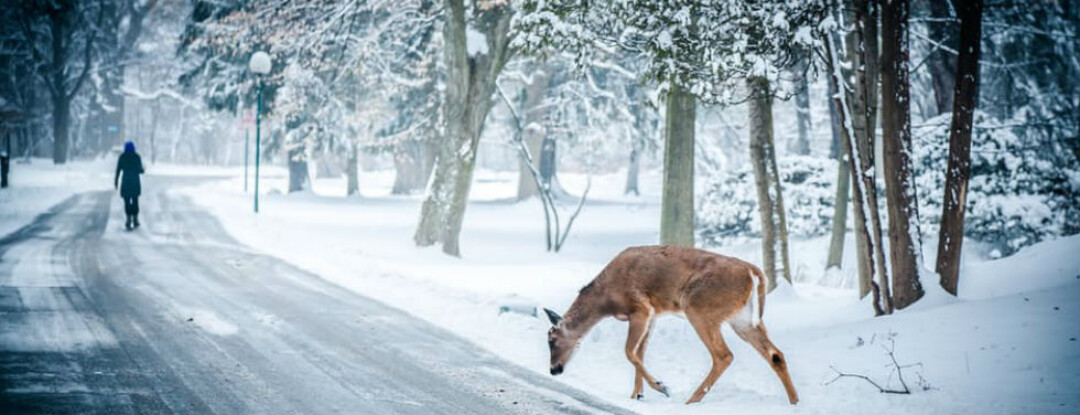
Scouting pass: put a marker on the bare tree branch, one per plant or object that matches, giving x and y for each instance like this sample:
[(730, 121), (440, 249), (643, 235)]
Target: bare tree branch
[(897, 368)]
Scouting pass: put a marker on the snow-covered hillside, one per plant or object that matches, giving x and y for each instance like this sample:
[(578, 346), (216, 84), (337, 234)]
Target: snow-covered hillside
[(1007, 345)]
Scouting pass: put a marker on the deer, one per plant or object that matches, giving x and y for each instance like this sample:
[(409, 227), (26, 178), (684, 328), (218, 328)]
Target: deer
[(643, 282)]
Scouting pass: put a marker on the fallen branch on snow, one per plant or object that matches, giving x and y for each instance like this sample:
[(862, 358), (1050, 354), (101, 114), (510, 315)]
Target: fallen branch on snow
[(896, 368)]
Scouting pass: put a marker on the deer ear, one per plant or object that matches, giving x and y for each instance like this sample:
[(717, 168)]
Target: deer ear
[(553, 316)]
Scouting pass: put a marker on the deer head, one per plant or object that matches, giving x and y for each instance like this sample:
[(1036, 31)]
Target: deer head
[(560, 342)]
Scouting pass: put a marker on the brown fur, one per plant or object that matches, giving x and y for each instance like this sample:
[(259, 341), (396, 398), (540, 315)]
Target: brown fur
[(642, 282)]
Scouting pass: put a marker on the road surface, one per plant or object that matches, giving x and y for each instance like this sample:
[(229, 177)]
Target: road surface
[(177, 317)]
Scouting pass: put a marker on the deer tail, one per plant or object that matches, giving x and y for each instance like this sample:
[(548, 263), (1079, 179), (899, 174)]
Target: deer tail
[(757, 296)]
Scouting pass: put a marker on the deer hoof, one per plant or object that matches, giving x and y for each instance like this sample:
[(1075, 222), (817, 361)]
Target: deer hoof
[(640, 397), (696, 397), (660, 387)]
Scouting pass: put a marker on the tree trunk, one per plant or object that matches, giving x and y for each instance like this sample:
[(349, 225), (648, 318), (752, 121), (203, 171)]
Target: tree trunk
[(863, 50), (106, 123), (431, 152), (905, 241), (352, 172), (61, 123), (433, 210), (534, 131), (868, 16), (176, 138), (767, 180), (298, 169), (61, 22), (632, 172), (534, 138), (155, 111), (458, 150), (801, 146), (839, 219), (843, 184), (118, 49), (677, 205), (60, 101), (866, 13), (951, 235), (862, 47), (940, 63), (113, 118), (408, 168), (470, 83)]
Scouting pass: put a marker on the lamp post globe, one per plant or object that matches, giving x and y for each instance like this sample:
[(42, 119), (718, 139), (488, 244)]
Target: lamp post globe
[(260, 63)]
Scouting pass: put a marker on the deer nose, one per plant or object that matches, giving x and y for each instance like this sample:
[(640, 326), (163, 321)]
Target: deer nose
[(555, 371)]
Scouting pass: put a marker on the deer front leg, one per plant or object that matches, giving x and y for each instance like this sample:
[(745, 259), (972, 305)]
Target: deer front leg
[(640, 323), (757, 336)]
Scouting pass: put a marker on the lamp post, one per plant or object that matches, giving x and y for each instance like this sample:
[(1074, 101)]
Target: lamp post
[(247, 151), (259, 65)]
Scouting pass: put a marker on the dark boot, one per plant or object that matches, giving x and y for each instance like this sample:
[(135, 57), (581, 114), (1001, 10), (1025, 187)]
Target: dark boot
[(127, 224), (135, 220)]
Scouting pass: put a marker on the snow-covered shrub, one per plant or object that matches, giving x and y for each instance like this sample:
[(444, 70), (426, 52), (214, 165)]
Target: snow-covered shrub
[(1023, 189), (729, 206)]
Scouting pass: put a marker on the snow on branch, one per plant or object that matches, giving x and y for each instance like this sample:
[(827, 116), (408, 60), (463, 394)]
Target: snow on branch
[(163, 92)]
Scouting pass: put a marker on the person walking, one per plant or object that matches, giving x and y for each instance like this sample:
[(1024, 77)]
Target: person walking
[(131, 165)]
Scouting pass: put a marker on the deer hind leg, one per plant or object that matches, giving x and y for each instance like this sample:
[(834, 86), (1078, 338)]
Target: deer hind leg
[(641, 357), (709, 331), (756, 336), (640, 323)]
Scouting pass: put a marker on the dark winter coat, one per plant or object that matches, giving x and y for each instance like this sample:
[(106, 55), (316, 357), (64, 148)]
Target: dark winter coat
[(131, 165)]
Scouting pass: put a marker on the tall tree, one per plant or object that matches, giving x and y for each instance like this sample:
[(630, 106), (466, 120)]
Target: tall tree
[(843, 182), (472, 67), (951, 234), (862, 52), (774, 242), (905, 248), (66, 59), (869, 251)]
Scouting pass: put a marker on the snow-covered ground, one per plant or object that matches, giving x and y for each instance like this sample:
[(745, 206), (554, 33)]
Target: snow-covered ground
[(1007, 345), (36, 185)]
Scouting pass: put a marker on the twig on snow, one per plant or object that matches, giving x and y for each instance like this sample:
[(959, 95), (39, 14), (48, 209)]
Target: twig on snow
[(896, 368)]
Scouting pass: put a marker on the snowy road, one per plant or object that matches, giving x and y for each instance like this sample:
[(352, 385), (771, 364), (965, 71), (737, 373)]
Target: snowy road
[(177, 317)]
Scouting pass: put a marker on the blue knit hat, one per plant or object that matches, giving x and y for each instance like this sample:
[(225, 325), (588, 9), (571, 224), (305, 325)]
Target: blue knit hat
[(129, 147)]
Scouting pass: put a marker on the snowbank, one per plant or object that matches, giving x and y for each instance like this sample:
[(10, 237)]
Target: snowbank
[(36, 185)]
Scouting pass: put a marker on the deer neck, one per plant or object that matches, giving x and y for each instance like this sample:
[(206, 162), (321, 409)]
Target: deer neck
[(583, 315)]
